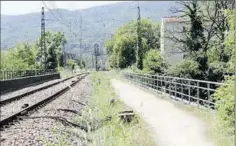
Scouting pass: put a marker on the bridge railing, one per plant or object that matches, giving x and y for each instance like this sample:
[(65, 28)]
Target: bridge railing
[(190, 91), (14, 74)]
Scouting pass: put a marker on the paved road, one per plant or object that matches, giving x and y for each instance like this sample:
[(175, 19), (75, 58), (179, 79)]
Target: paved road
[(171, 125)]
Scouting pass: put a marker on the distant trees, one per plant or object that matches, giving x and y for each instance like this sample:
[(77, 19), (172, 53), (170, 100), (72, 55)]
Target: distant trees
[(27, 56), (21, 57), (54, 45), (122, 48)]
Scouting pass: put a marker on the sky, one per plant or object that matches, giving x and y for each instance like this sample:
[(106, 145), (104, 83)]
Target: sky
[(24, 7)]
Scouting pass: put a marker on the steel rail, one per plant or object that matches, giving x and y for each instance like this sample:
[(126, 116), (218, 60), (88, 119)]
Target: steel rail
[(20, 96), (40, 104)]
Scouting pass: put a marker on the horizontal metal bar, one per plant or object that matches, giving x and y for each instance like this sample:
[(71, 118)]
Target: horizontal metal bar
[(193, 80)]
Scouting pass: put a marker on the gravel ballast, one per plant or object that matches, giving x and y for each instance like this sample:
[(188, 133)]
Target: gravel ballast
[(16, 106), (49, 125), (27, 89)]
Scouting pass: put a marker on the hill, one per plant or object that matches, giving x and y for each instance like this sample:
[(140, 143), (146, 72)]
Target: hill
[(97, 22)]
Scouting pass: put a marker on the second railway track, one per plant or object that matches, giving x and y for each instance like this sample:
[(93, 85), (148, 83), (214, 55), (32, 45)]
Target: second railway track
[(26, 93), (10, 112)]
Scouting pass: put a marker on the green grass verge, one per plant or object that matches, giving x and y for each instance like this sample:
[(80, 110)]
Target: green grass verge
[(114, 132)]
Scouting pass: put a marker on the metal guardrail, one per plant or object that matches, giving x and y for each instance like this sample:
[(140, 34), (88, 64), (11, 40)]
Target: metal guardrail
[(194, 92), (15, 74)]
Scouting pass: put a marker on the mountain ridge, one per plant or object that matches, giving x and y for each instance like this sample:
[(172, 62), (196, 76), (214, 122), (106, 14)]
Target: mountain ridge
[(97, 22)]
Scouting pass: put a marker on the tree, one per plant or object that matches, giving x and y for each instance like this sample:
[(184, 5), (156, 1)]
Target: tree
[(122, 48), (70, 63), (51, 61), (216, 25), (204, 37), (54, 44), (230, 41), (21, 57), (193, 40)]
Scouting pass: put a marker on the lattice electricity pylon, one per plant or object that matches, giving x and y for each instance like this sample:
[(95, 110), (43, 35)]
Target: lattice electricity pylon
[(43, 45)]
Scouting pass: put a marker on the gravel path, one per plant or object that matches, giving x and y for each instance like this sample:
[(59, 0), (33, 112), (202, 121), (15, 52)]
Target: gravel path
[(15, 106), (172, 126), (39, 129)]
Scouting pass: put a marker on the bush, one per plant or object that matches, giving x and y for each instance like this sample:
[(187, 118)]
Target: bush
[(185, 69), (216, 71), (153, 62), (225, 104), (70, 63)]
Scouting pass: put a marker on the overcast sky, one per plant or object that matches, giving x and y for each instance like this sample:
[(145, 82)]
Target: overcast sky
[(24, 7)]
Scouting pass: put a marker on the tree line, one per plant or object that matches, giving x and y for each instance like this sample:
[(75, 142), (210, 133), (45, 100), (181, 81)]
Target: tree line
[(26, 56)]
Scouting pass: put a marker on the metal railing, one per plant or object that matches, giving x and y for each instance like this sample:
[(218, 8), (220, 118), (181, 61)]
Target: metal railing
[(190, 91), (15, 74)]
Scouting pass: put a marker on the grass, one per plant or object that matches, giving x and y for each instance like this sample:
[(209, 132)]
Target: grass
[(114, 132)]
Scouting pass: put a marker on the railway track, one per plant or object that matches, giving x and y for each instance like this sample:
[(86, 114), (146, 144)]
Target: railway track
[(38, 100), (22, 95)]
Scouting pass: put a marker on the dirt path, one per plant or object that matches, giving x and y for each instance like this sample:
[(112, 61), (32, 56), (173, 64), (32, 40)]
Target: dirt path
[(171, 125)]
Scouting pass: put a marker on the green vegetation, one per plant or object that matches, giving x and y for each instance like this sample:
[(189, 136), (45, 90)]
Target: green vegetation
[(70, 63), (29, 56), (122, 48), (225, 105), (113, 132), (225, 94), (22, 57), (185, 69), (153, 62), (54, 43)]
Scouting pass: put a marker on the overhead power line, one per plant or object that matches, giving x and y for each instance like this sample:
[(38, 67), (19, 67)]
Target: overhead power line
[(59, 20)]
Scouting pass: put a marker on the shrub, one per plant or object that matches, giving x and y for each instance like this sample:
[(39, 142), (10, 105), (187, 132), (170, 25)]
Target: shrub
[(153, 62), (185, 69), (225, 104)]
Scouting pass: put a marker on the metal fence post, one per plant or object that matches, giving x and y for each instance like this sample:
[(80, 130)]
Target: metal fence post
[(189, 91), (164, 84), (197, 93), (182, 90), (162, 80), (208, 94), (157, 83), (175, 81)]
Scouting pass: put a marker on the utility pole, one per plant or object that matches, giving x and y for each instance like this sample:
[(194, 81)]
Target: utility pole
[(81, 22), (235, 68), (43, 45), (92, 61), (138, 54), (63, 53), (96, 54)]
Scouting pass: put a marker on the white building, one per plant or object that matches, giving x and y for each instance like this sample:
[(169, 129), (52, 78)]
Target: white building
[(170, 50)]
